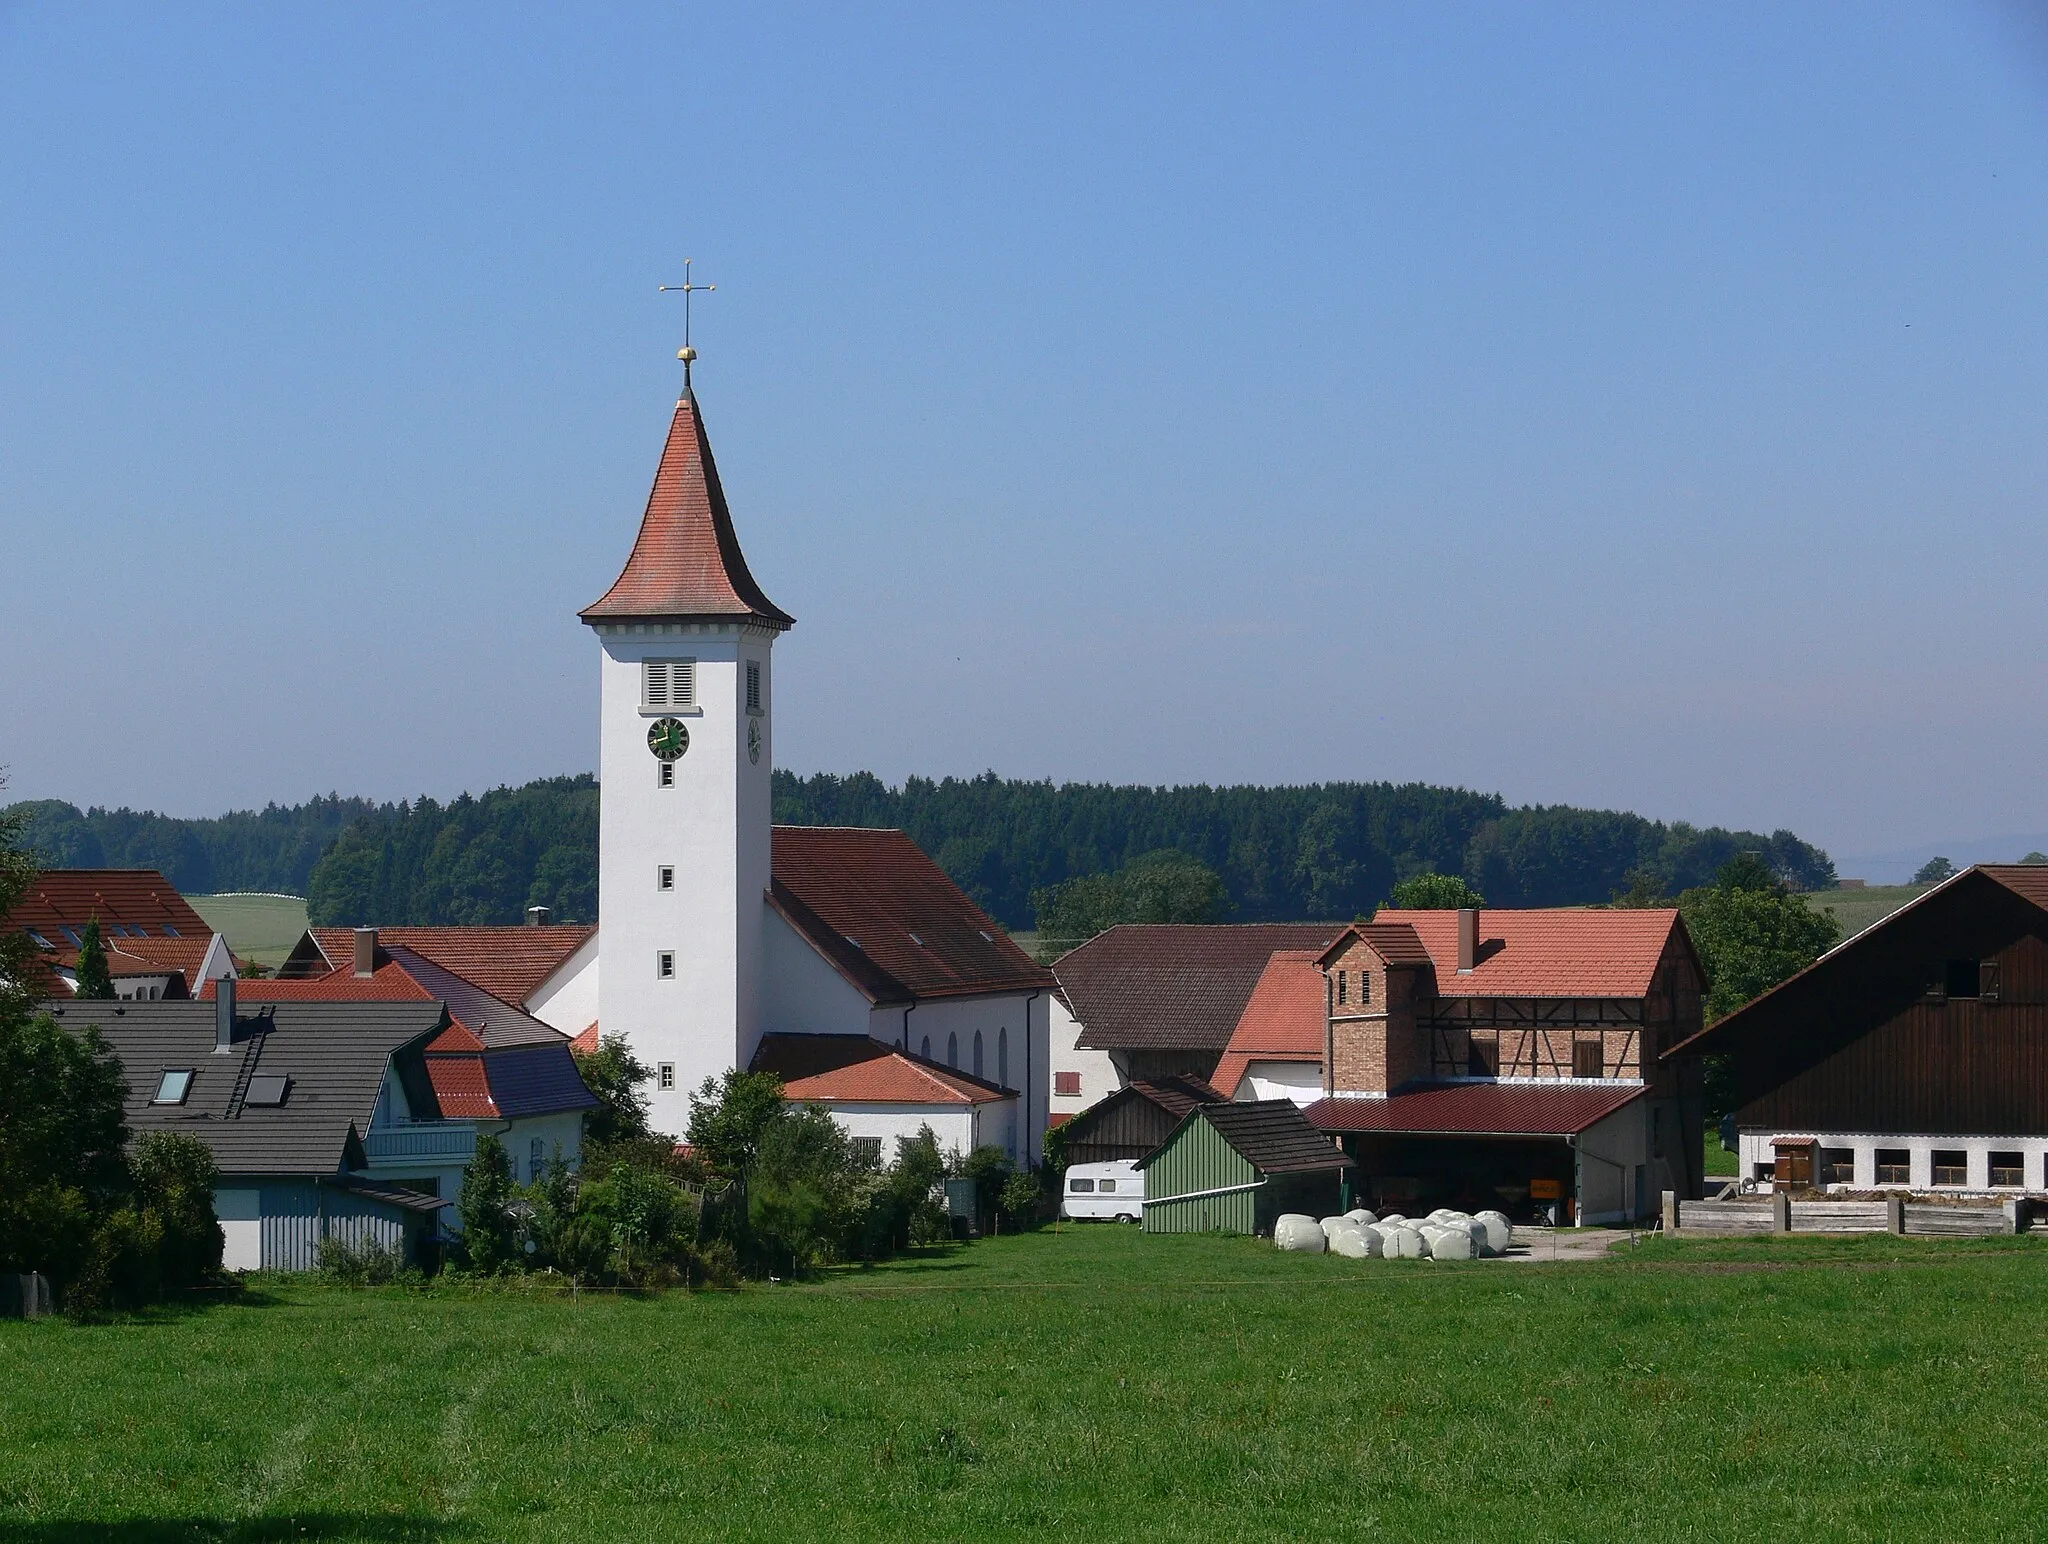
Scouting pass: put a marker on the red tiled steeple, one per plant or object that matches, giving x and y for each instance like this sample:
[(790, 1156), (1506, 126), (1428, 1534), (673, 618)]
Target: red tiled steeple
[(687, 561)]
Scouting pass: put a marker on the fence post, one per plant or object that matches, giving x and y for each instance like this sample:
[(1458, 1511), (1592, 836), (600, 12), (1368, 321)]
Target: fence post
[(1895, 1214), (2017, 1219), (1781, 1212), (1670, 1211)]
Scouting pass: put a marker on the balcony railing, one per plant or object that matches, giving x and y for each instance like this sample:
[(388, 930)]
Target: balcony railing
[(426, 1141)]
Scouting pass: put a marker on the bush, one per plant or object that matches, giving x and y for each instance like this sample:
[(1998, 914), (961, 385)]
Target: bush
[(1021, 1198), (490, 1230), (366, 1263)]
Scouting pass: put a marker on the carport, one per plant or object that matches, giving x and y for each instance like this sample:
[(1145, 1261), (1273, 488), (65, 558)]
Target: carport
[(1524, 1147)]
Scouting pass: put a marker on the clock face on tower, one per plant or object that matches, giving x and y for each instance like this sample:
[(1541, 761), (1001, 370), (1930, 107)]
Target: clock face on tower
[(754, 741), (668, 738)]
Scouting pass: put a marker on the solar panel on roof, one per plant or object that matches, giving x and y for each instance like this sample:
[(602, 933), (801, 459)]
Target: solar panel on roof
[(267, 1089)]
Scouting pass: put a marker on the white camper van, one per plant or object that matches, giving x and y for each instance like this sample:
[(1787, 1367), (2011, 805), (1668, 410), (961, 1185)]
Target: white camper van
[(1104, 1192)]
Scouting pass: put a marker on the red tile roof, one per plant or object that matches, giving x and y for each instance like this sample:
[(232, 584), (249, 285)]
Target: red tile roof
[(462, 1087), (389, 984), (855, 1069), (133, 897), (890, 919), (1478, 1109), (585, 1044), (511, 963), (687, 560), (1174, 984), (1544, 952), (1285, 1020)]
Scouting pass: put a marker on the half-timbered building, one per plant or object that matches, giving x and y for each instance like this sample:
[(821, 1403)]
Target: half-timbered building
[(1547, 1027)]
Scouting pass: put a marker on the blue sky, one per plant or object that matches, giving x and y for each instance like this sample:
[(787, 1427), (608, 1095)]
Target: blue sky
[(1627, 406)]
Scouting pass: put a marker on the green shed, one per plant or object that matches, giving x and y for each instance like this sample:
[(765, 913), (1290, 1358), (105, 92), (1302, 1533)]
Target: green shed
[(1233, 1168)]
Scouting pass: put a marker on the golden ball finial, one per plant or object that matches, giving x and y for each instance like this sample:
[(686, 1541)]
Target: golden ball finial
[(686, 355)]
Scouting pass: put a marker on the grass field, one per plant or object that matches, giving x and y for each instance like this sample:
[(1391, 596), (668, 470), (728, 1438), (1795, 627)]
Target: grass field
[(1859, 909), (262, 928), (1095, 1384)]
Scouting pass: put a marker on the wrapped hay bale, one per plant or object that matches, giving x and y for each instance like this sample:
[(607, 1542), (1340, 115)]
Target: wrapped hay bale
[(1355, 1243), (1403, 1243), (1499, 1231), (1392, 1219), (1447, 1243), (1330, 1225), (1294, 1231), (1361, 1216)]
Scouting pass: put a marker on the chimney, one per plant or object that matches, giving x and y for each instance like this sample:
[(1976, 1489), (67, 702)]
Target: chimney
[(223, 1015), (1468, 938), (537, 916), (366, 951)]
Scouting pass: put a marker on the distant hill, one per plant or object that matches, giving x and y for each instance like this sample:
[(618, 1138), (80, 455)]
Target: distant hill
[(1323, 850)]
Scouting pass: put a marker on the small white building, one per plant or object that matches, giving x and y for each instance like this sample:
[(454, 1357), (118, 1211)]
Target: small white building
[(879, 1093)]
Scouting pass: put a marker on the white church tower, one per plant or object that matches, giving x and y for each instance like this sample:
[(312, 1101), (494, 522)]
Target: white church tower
[(684, 760)]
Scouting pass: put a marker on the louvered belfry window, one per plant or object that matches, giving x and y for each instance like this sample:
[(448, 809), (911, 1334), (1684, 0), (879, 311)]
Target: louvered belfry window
[(754, 687), (668, 683)]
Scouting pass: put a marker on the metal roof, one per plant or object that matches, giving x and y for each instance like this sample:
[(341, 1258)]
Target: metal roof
[(1537, 1108)]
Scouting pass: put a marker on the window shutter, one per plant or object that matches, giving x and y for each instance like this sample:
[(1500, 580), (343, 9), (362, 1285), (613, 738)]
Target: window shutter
[(682, 683), (1987, 980), (654, 682)]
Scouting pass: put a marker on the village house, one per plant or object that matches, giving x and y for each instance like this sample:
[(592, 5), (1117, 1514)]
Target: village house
[(1512, 1058), (157, 946), (311, 1110), (1133, 1121), (1158, 1000), (1913, 1056)]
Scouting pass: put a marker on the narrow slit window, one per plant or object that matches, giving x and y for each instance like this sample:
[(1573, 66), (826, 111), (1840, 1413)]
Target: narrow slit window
[(665, 964), (666, 776), (665, 877), (1343, 988), (754, 687), (665, 1075)]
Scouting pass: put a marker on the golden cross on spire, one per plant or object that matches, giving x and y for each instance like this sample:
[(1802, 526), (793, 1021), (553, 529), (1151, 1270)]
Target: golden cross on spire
[(687, 289)]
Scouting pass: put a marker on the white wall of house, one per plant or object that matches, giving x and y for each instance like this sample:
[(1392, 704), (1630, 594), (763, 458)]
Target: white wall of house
[(541, 1138), (955, 1126), (1615, 1177), (1016, 1048), (241, 1225), (1300, 1081), (1097, 1073), (567, 1000), (1757, 1155)]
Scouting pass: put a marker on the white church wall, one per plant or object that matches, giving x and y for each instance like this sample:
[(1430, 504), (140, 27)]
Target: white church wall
[(712, 828), (955, 1127), (568, 1000), (1017, 1020), (802, 993), (1096, 1074)]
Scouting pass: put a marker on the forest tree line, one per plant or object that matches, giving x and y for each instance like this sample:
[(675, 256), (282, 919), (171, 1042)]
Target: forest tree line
[(1317, 851)]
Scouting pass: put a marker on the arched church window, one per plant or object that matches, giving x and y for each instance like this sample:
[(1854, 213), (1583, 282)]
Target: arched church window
[(977, 1053), (952, 1050), (1003, 1057), (925, 1050)]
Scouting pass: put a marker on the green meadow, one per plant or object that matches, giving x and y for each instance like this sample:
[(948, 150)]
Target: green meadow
[(1093, 1383), (262, 928)]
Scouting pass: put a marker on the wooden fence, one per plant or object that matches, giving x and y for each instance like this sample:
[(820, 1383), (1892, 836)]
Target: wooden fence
[(1781, 1214)]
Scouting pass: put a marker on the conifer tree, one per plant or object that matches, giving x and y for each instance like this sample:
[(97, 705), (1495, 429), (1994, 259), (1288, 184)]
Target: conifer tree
[(94, 979)]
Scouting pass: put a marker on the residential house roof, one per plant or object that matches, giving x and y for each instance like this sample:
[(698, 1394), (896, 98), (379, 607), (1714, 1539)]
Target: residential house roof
[(889, 919), (1269, 1134), (1285, 1020), (1536, 1108), (686, 561), (334, 1053), (1170, 984), (510, 963), (148, 928), (1538, 952), (857, 1069)]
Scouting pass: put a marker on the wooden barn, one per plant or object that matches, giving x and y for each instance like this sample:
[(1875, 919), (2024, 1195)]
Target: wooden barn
[(1233, 1168), (1134, 1120), (1914, 1056)]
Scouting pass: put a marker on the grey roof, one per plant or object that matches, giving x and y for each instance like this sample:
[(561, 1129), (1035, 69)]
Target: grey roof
[(1174, 985), (335, 1054), (1272, 1135)]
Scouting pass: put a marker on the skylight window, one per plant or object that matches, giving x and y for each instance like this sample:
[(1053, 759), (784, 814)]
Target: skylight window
[(173, 1086), (39, 941), (171, 932), (72, 934), (267, 1090)]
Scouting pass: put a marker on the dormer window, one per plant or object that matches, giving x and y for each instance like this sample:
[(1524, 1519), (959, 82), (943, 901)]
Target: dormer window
[(668, 684)]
